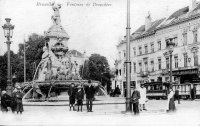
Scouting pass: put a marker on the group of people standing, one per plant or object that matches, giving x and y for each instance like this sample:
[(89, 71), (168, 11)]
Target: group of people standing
[(14, 102), (77, 95), (138, 99)]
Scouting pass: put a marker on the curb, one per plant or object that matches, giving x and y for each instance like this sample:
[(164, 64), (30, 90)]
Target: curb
[(68, 104)]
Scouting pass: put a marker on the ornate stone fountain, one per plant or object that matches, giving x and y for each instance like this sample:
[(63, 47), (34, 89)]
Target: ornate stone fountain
[(55, 71)]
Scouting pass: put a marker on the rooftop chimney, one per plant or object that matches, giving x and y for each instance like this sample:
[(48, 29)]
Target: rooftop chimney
[(148, 21)]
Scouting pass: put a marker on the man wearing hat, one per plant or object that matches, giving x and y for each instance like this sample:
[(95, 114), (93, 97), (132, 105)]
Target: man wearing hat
[(72, 94), (18, 95), (4, 101), (90, 91), (135, 100), (80, 97)]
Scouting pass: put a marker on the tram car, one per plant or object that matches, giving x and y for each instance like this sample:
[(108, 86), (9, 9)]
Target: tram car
[(185, 89), (157, 90)]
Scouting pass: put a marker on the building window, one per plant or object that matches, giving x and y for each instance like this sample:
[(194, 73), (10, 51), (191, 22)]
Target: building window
[(175, 41), (195, 60), (185, 39), (185, 60), (166, 79), (124, 68), (119, 55), (159, 63), (134, 51), (167, 63), (134, 65), (120, 72), (124, 53), (159, 45), (140, 67), (140, 50), (152, 65), (195, 36), (146, 49), (176, 61), (152, 80), (152, 47), (146, 65)]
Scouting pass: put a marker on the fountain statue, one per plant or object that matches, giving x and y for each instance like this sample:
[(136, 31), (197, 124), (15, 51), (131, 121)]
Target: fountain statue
[(55, 70), (56, 60)]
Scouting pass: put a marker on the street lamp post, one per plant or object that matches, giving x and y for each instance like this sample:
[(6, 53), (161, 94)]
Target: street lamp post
[(8, 32), (128, 63), (171, 46)]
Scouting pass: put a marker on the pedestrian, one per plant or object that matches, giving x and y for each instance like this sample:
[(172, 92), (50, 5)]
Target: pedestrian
[(170, 102), (193, 92), (80, 97), (72, 94), (90, 91), (142, 99), (135, 101), (177, 95), (18, 95), (117, 91), (4, 101)]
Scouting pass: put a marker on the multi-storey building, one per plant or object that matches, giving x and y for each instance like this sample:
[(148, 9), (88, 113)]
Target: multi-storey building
[(77, 59), (149, 49)]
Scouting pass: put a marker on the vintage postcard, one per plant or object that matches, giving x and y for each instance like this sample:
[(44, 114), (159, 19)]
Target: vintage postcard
[(100, 62)]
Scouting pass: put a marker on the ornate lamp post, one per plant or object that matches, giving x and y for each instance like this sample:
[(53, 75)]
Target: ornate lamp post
[(8, 32), (128, 62), (171, 46)]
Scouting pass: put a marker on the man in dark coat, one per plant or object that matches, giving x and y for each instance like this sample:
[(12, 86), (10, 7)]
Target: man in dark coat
[(193, 92), (90, 91), (5, 98), (18, 95), (117, 91), (72, 95), (135, 101), (177, 96)]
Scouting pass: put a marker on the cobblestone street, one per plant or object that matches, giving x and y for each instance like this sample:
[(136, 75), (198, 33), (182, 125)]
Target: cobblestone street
[(188, 113)]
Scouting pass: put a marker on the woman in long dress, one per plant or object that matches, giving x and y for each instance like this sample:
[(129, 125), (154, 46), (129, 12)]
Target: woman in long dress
[(142, 99), (170, 103)]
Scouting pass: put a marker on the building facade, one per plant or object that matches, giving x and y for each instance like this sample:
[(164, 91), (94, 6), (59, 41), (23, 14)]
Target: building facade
[(77, 59), (149, 47)]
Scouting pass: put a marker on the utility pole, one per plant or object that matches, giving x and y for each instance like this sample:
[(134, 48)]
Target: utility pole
[(24, 60), (128, 63)]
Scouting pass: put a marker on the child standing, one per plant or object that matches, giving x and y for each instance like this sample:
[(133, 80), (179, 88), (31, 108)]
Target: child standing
[(80, 97), (18, 95)]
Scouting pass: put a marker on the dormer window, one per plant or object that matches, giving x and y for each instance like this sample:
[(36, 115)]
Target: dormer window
[(195, 36), (140, 50), (159, 45), (146, 49)]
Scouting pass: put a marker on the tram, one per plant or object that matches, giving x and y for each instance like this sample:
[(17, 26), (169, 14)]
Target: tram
[(157, 90), (185, 89)]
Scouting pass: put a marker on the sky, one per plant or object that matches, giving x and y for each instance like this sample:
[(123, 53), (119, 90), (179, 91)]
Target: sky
[(94, 29)]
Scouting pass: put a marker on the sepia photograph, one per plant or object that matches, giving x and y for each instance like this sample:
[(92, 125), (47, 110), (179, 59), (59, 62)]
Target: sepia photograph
[(100, 62)]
